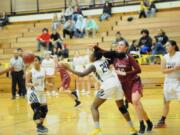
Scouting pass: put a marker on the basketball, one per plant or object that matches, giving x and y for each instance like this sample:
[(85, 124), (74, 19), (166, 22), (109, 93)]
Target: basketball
[(28, 57)]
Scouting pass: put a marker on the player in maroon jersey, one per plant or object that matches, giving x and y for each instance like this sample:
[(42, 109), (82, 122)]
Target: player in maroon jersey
[(127, 70), (65, 82)]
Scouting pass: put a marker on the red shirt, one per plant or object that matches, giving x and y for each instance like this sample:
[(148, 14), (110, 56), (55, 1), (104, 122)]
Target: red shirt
[(63, 73), (45, 37)]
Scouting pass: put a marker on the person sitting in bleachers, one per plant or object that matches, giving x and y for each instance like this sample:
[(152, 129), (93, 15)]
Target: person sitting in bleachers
[(106, 11), (91, 27), (56, 41), (3, 19), (68, 13), (68, 29), (161, 38), (145, 42), (43, 40), (80, 27), (76, 12), (118, 38), (147, 8), (56, 23)]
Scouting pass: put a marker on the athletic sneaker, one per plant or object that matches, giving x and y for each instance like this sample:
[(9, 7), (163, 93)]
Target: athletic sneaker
[(142, 129), (133, 131), (96, 131), (160, 124), (42, 130), (77, 104), (150, 126)]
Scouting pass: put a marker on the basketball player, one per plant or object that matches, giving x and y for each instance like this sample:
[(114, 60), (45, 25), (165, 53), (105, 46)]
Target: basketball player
[(100, 67), (65, 83), (49, 66), (127, 70), (35, 81), (78, 64), (171, 68)]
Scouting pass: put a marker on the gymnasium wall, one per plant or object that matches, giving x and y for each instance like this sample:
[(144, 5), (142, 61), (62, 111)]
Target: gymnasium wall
[(133, 8)]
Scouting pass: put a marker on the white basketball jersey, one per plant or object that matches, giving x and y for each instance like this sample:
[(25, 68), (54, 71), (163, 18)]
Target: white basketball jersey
[(49, 66), (172, 62), (38, 77), (102, 70)]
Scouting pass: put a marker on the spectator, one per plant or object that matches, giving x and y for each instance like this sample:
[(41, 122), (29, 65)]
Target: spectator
[(148, 8), (68, 13), (3, 19), (144, 6), (106, 11), (17, 74), (161, 38), (118, 38), (80, 27), (43, 40), (91, 27), (133, 47), (76, 13), (69, 28), (55, 23), (56, 41), (65, 51), (145, 42)]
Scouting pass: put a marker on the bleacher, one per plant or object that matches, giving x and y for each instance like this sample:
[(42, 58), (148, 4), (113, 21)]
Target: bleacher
[(24, 35)]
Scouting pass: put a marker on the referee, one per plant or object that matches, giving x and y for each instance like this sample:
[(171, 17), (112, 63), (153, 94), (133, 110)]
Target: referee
[(17, 74)]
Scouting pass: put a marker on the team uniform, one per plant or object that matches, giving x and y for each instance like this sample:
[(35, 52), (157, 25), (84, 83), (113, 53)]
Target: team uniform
[(171, 84), (110, 86), (65, 77), (37, 94)]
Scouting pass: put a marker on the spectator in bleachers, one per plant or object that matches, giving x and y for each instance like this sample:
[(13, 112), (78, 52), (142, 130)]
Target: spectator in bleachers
[(91, 27), (56, 23), (43, 40), (3, 19), (161, 37), (147, 8), (68, 29), (68, 13), (76, 13), (133, 46), (145, 42), (106, 11), (65, 51), (55, 40), (118, 38), (80, 27)]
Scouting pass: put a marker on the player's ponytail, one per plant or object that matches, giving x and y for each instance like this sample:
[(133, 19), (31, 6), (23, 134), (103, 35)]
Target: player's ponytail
[(173, 43)]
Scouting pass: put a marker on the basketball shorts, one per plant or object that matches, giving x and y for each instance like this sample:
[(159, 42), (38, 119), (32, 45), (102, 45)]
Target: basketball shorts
[(171, 89), (111, 89), (34, 96)]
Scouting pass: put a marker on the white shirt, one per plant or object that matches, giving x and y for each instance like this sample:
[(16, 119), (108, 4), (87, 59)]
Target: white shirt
[(17, 63), (49, 66), (172, 62), (38, 77)]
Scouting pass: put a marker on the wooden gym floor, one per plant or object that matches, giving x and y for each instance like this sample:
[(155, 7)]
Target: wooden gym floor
[(63, 119)]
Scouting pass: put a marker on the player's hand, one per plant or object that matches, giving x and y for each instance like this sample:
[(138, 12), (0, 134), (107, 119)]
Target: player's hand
[(122, 73)]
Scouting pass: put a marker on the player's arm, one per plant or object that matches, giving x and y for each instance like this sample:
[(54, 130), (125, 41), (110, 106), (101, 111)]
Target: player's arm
[(110, 54), (166, 70), (6, 70), (81, 74), (28, 80)]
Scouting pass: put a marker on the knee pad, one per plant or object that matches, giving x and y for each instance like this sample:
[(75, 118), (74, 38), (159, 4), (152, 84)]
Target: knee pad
[(37, 111), (123, 109), (44, 111)]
